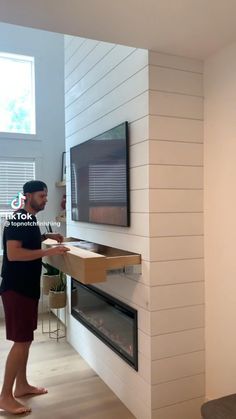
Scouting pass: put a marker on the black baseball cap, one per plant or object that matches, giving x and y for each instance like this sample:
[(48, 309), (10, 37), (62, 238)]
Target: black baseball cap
[(34, 186)]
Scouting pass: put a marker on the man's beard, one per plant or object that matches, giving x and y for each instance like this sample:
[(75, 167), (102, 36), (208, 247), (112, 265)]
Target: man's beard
[(37, 207)]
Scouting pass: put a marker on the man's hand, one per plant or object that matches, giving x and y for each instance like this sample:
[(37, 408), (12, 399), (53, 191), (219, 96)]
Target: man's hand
[(56, 250), (55, 236), (15, 251)]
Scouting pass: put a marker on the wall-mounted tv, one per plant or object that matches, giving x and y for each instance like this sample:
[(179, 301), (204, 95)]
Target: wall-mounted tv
[(100, 178)]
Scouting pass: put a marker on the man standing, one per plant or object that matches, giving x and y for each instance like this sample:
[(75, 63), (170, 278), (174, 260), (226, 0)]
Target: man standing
[(20, 291)]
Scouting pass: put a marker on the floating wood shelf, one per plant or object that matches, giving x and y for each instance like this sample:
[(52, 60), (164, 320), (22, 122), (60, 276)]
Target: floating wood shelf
[(87, 266)]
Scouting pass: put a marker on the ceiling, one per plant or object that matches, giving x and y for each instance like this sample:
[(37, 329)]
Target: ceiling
[(190, 28)]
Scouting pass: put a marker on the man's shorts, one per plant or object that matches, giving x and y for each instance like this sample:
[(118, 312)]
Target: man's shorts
[(21, 315)]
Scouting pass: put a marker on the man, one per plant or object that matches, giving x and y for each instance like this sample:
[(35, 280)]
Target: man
[(20, 291)]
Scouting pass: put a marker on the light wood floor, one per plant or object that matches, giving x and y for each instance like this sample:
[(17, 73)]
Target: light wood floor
[(74, 389)]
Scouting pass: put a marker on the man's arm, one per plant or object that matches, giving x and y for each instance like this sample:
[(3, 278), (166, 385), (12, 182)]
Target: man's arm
[(15, 251)]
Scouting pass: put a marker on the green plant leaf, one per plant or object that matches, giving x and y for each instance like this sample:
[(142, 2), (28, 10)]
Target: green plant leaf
[(61, 286), (50, 270)]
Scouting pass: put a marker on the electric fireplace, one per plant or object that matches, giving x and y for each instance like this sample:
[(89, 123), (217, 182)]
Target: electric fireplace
[(112, 321)]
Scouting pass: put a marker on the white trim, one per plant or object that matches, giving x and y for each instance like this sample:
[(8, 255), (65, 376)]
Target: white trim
[(18, 136)]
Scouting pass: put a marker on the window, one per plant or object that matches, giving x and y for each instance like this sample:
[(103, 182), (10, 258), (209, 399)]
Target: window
[(13, 174), (17, 98)]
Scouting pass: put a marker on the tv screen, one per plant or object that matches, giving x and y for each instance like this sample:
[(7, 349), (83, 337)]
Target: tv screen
[(100, 178)]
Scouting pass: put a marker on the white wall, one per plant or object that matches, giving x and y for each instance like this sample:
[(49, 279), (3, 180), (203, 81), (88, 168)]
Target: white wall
[(220, 222), (49, 142)]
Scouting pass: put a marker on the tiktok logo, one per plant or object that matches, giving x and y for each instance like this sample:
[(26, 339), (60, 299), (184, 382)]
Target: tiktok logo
[(18, 202)]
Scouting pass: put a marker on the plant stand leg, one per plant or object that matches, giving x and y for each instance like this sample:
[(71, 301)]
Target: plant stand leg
[(55, 331), (42, 308), (55, 334)]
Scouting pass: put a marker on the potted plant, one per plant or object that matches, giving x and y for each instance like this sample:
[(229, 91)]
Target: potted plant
[(57, 294), (51, 277)]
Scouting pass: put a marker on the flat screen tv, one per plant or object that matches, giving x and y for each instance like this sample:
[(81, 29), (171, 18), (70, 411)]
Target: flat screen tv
[(100, 178)]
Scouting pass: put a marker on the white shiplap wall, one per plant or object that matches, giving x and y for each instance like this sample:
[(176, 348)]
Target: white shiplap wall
[(105, 85), (176, 236), (161, 97)]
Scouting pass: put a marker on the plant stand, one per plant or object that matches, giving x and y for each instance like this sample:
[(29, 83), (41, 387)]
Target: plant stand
[(53, 326), (59, 332)]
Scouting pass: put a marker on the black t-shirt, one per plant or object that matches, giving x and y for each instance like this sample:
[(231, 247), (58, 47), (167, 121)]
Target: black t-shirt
[(22, 276)]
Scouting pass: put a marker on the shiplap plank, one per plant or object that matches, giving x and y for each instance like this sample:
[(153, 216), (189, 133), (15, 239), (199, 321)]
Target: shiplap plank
[(189, 409), (177, 319), (72, 83), (172, 80), (105, 65), (173, 248), (176, 200), (72, 44), (172, 344), (118, 75), (180, 366), (177, 295), (176, 105), (179, 390), (79, 55), (144, 367), (175, 129), (176, 271), (86, 128), (139, 178), (139, 130), (180, 224), (144, 344), (168, 152), (174, 61), (139, 200), (125, 93), (175, 177), (139, 154)]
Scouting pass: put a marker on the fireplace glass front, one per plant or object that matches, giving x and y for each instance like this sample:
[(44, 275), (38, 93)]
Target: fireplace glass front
[(112, 321)]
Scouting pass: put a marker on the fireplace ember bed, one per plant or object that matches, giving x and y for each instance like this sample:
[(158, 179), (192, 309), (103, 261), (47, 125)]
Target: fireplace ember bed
[(112, 321)]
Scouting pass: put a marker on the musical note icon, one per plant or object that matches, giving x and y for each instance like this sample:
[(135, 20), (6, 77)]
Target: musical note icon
[(18, 202)]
